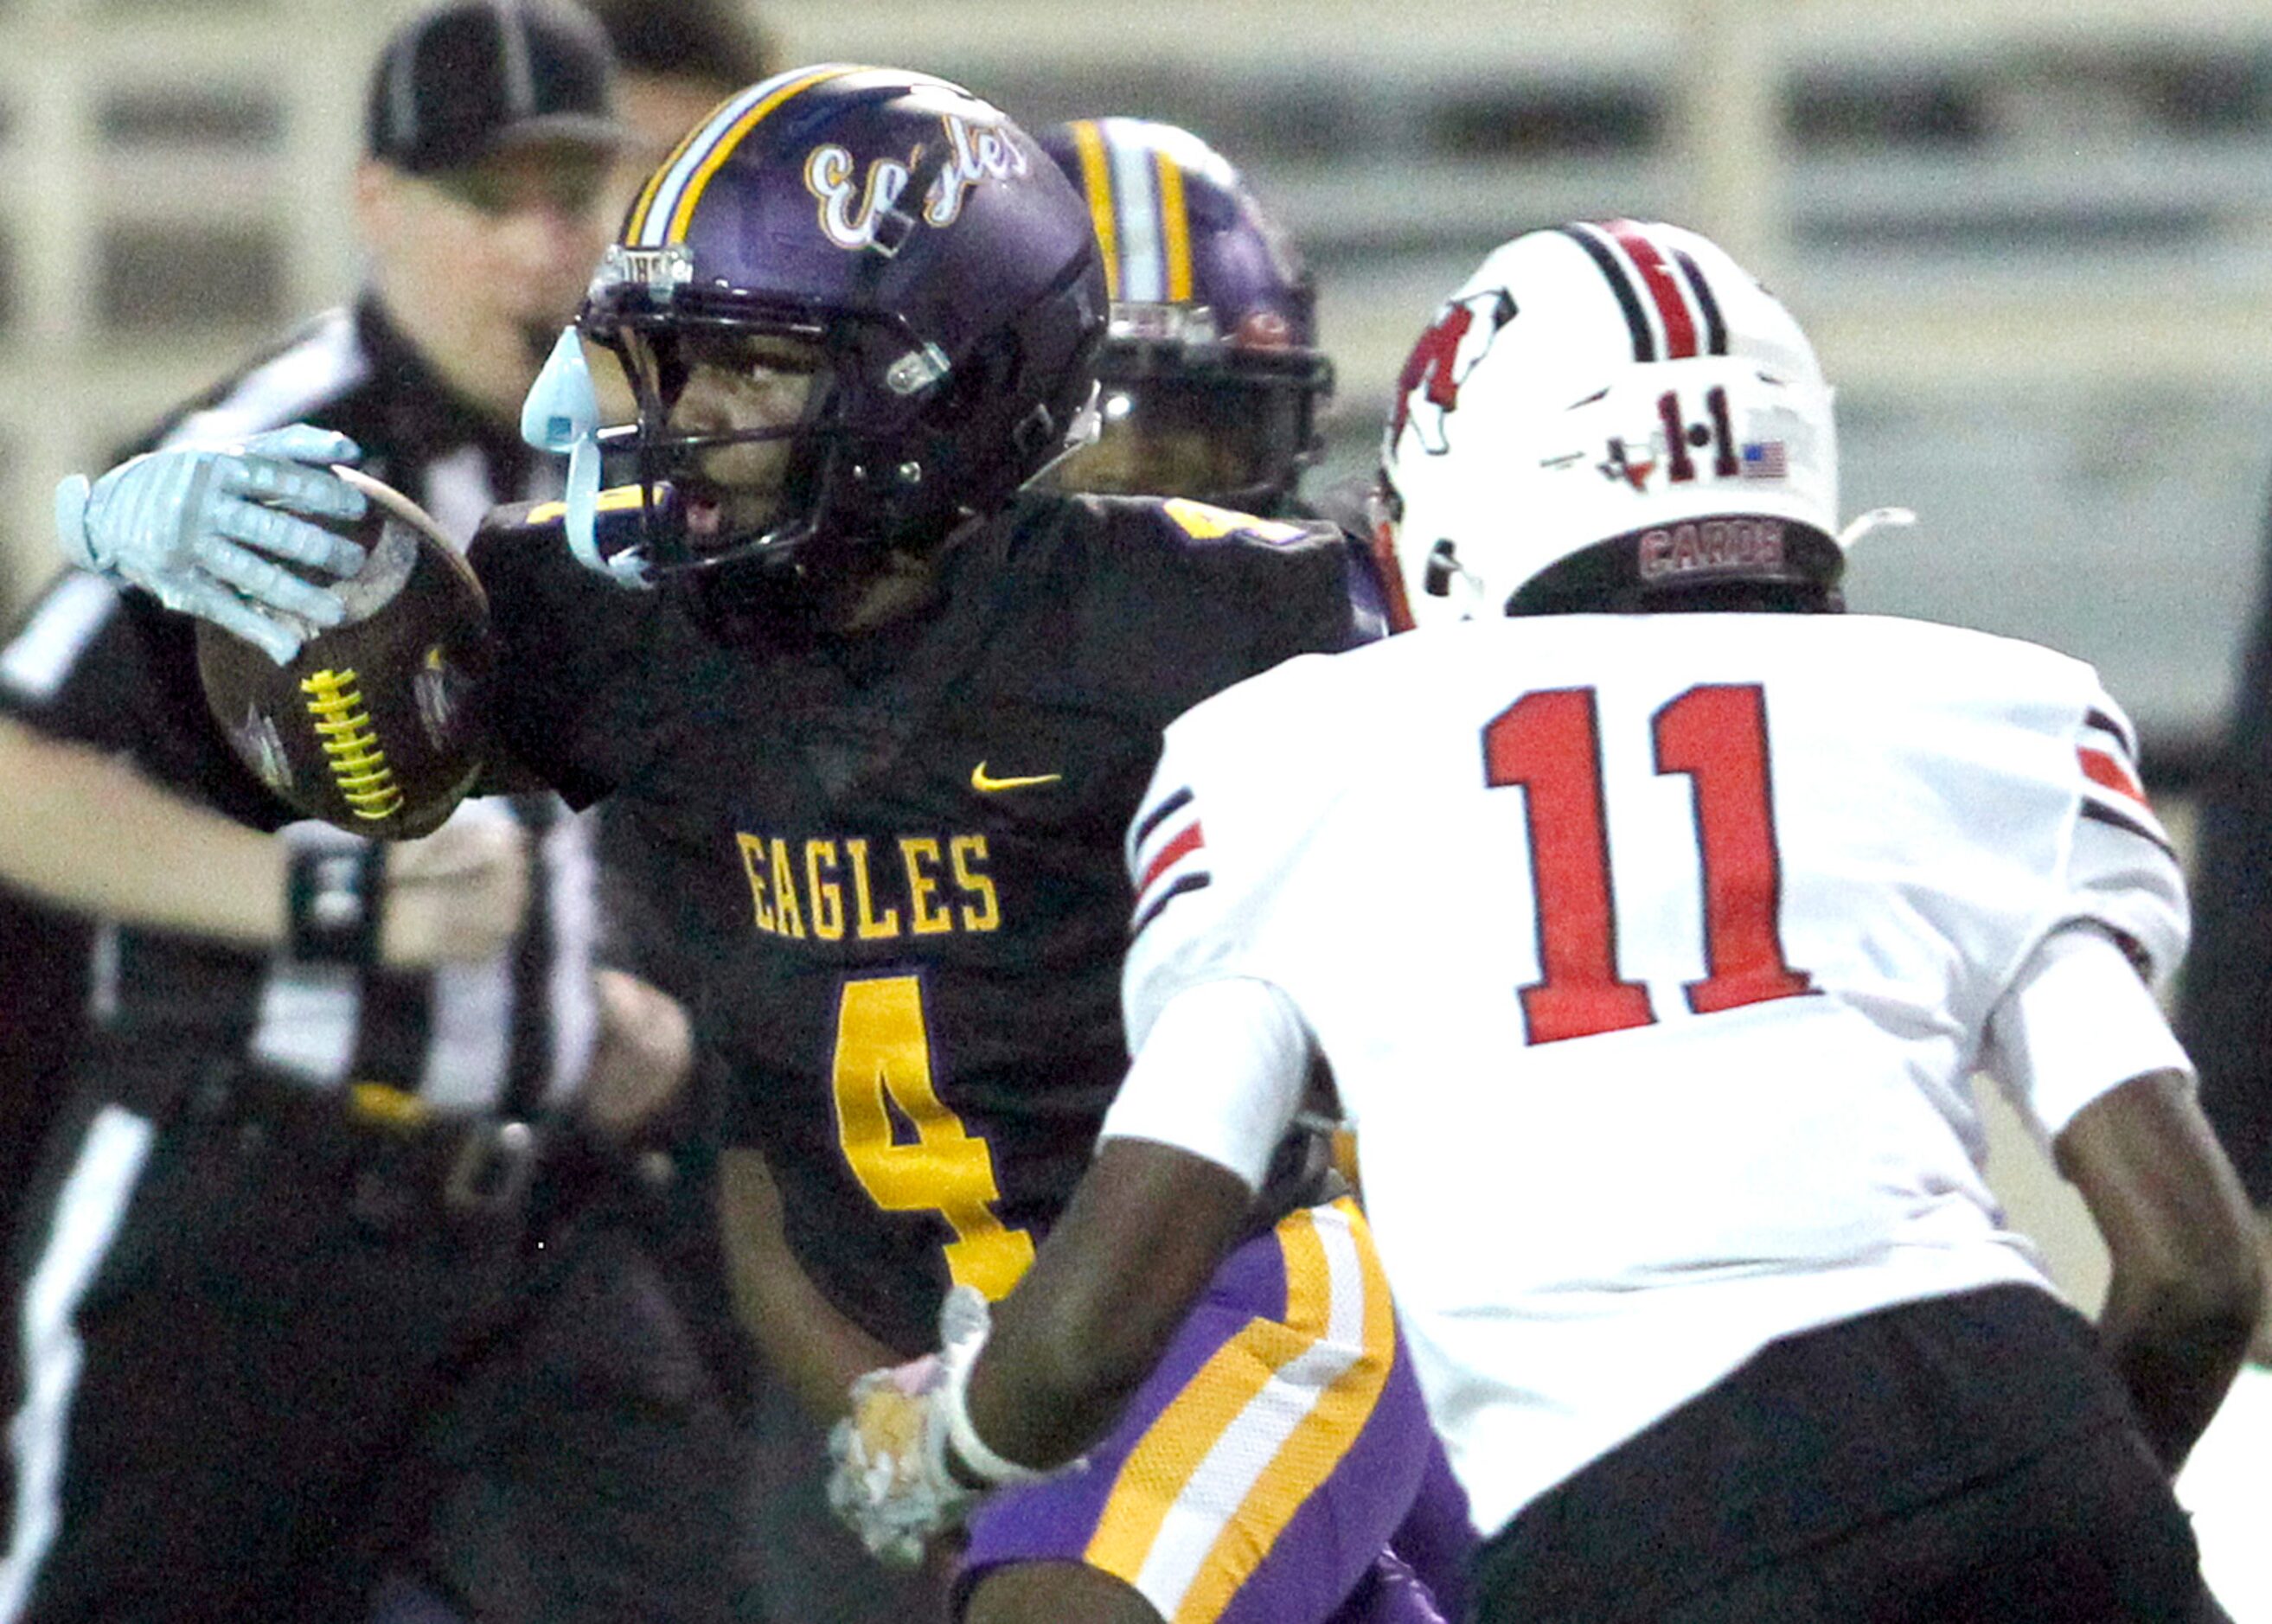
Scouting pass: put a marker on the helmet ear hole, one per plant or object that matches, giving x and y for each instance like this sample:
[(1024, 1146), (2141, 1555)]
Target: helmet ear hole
[(1443, 564)]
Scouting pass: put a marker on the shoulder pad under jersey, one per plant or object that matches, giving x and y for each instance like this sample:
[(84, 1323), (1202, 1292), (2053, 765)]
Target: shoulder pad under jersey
[(1214, 593), (1202, 526), (1288, 562)]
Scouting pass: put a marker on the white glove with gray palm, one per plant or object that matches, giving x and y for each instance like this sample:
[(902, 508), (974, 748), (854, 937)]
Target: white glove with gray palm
[(190, 525)]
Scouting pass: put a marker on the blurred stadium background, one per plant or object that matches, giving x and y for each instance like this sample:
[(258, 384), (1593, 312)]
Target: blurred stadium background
[(2032, 239)]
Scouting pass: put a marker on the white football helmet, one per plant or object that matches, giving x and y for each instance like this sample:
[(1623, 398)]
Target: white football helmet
[(1602, 412)]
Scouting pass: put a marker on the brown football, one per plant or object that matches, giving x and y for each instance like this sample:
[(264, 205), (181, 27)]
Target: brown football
[(375, 725)]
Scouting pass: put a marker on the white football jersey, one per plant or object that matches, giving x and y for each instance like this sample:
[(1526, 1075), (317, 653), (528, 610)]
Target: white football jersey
[(1653, 957)]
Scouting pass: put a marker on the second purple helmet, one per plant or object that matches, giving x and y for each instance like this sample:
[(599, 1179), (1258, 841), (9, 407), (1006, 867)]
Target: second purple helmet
[(1212, 377)]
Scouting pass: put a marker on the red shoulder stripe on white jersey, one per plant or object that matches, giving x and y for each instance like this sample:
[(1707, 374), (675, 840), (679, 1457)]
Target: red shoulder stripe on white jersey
[(2108, 754), (1171, 803), (2105, 770), (1166, 856), (1187, 839), (2114, 794)]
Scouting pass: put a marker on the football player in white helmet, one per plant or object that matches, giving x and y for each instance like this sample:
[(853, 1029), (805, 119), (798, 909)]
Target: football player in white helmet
[(1666, 429), (1654, 955)]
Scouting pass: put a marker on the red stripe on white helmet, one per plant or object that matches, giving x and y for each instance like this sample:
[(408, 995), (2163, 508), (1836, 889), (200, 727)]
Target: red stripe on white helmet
[(1663, 288)]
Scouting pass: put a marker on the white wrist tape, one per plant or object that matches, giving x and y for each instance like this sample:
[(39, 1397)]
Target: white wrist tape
[(971, 1457)]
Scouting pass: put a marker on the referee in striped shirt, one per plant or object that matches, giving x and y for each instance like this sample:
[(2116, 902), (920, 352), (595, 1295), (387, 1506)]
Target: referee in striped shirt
[(326, 1302)]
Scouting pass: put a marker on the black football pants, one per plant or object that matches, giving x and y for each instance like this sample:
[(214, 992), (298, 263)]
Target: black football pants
[(1963, 1458)]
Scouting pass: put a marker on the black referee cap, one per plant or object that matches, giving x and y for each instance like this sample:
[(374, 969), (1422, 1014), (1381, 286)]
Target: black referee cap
[(464, 79)]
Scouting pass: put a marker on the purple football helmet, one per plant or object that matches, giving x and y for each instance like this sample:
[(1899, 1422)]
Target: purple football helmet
[(919, 250), (1211, 377)]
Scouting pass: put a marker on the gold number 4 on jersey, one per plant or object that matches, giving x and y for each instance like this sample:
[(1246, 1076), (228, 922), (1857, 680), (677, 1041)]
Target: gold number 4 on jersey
[(882, 1049)]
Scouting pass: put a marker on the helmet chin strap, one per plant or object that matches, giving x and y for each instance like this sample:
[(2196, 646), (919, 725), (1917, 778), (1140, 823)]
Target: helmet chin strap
[(562, 415), (1088, 423)]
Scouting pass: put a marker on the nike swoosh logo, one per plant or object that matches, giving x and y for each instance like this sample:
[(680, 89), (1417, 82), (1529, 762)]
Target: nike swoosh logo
[(985, 786)]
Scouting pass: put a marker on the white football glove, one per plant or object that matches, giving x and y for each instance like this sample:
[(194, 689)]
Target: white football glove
[(190, 524), (888, 1483), (891, 1483)]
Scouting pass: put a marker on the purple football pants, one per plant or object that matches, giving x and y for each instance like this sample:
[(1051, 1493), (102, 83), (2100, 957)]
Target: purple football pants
[(1260, 1473)]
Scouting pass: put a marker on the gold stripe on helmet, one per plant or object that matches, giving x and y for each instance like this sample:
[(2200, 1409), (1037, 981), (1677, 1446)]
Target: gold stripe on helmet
[(654, 181), (721, 148), (683, 215), (1175, 228), (1096, 180)]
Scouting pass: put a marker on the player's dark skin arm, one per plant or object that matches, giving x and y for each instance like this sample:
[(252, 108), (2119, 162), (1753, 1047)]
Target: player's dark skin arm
[(1144, 1233), (2187, 1285), (799, 1334)]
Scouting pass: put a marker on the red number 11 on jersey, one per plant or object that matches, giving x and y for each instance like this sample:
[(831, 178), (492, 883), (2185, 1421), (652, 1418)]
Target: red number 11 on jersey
[(1549, 743)]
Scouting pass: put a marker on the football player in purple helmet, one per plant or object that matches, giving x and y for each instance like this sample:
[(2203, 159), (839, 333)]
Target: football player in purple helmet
[(874, 712), (1212, 377), (837, 357)]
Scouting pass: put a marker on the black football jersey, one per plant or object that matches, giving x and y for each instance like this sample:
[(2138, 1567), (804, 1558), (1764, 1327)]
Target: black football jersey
[(894, 864)]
